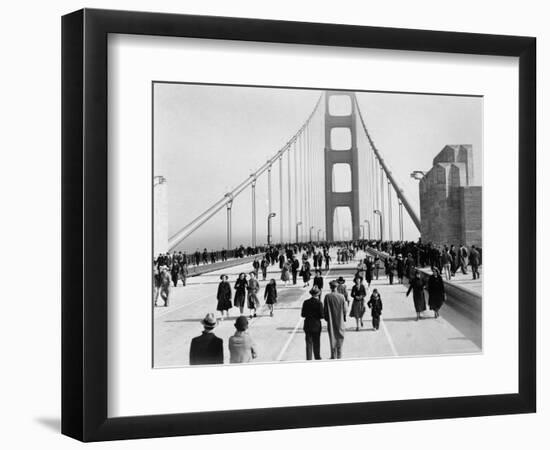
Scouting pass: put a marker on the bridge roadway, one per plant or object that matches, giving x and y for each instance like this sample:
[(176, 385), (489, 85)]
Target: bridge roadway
[(281, 338)]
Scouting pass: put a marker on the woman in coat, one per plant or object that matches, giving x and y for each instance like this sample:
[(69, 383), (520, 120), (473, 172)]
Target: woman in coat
[(240, 292), (253, 301), (358, 293), (318, 280), (224, 296), (436, 292), (270, 295), (400, 268), (306, 272), (369, 269), (285, 273), (417, 287)]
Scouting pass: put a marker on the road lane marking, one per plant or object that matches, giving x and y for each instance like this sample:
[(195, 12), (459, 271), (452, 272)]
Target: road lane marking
[(289, 340), (158, 316), (390, 340)]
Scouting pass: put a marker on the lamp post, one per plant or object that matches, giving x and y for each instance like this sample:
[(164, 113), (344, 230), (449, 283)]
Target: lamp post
[(229, 205), (362, 231), (297, 226), (318, 232), (418, 175), (379, 213), (400, 221), (269, 217), (367, 221), (310, 230)]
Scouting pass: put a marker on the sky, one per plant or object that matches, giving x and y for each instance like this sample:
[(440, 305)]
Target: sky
[(207, 139)]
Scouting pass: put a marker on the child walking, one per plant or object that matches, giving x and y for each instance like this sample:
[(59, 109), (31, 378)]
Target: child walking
[(375, 305)]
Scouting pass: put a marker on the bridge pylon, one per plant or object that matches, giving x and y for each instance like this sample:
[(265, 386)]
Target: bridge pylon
[(345, 126)]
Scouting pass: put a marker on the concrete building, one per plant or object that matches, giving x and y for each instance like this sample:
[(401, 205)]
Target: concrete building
[(160, 216), (450, 202)]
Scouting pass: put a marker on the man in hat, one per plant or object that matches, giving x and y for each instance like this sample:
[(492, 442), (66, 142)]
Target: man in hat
[(335, 312), (241, 345), (342, 289), (312, 312), (206, 348)]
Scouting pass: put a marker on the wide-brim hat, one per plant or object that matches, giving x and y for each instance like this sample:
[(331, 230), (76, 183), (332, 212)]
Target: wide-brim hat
[(340, 280), (209, 321), (315, 291)]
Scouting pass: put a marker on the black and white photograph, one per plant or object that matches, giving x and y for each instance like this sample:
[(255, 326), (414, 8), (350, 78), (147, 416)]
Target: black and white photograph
[(294, 225), (270, 225)]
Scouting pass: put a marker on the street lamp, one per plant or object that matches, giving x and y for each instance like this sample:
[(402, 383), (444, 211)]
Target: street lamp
[(417, 174), (318, 232), (297, 225), (379, 213), (362, 231), (310, 230), (368, 225), (269, 217)]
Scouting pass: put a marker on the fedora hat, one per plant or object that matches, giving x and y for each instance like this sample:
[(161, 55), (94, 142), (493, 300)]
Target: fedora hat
[(315, 291), (209, 321), (341, 280)]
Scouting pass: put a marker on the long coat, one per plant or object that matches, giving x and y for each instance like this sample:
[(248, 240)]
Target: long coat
[(319, 282), (240, 292), (312, 312), (343, 290), (285, 272), (270, 294), (306, 271), (253, 288), (206, 349), (417, 286), (335, 312), (224, 296), (436, 292), (375, 305), (358, 306)]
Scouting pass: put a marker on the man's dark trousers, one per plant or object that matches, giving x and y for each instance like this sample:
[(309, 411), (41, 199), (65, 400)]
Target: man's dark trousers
[(313, 345)]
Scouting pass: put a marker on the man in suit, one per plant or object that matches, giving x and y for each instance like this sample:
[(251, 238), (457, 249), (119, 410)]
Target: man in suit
[(335, 312), (206, 348), (312, 312)]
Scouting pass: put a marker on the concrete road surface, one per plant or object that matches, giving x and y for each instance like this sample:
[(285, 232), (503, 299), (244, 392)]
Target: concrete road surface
[(281, 338)]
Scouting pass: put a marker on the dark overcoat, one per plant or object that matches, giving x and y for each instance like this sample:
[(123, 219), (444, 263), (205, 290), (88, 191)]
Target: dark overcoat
[(206, 349), (436, 292), (224, 296), (417, 287), (312, 312)]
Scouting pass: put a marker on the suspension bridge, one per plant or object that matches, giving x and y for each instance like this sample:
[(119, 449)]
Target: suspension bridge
[(325, 148), (327, 183)]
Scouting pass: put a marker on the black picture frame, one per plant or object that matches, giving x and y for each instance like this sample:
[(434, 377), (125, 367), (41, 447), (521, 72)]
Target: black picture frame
[(84, 224)]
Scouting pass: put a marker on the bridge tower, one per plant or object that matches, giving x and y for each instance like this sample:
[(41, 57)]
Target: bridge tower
[(341, 148)]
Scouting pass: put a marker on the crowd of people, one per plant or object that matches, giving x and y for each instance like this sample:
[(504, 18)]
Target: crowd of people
[(337, 305)]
